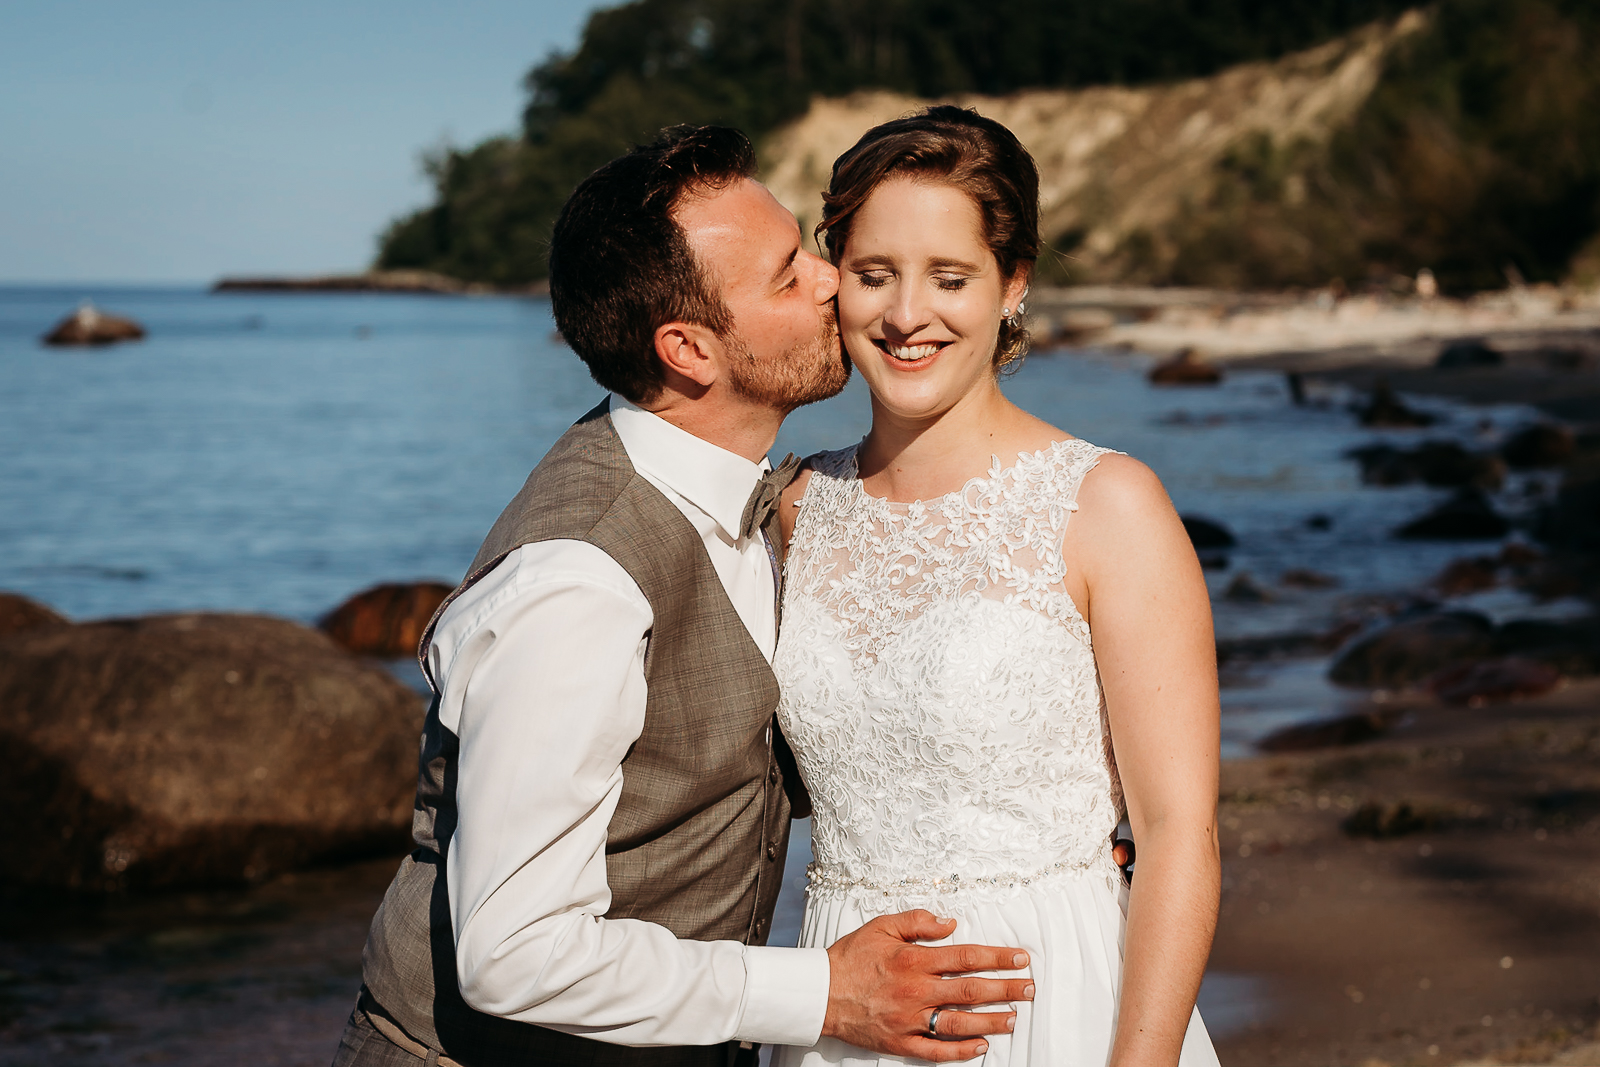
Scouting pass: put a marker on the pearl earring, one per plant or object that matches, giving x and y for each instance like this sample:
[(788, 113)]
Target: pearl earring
[(1005, 313)]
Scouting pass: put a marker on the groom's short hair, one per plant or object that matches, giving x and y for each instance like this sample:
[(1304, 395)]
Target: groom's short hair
[(621, 266)]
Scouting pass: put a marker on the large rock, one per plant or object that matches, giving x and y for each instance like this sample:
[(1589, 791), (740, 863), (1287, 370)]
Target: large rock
[(1466, 516), (1414, 649), (18, 613), (91, 326), (184, 749), (386, 620)]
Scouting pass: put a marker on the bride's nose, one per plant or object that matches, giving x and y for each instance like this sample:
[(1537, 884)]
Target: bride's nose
[(905, 314)]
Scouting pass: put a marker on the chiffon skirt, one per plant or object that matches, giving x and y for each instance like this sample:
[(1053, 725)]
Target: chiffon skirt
[(1072, 926)]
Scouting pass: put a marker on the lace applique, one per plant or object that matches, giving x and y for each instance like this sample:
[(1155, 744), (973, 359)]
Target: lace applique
[(939, 685)]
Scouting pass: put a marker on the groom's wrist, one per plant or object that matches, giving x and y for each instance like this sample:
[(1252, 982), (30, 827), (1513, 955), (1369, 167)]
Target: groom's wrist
[(785, 995)]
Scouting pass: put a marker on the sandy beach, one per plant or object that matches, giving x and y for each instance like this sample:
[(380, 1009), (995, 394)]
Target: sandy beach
[(1467, 933)]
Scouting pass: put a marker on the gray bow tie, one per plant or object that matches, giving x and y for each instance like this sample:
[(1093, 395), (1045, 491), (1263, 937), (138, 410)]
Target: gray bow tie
[(764, 497)]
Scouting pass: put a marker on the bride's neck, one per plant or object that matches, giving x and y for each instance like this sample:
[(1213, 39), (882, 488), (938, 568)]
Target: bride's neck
[(918, 458)]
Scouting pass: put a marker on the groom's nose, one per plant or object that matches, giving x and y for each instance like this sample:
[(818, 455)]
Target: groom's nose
[(827, 276)]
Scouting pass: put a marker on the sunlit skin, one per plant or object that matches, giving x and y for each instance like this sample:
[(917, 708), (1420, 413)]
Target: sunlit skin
[(916, 271), (882, 984), (781, 299)]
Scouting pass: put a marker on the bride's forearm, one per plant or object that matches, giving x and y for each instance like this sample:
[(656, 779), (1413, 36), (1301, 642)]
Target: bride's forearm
[(1172, 911)]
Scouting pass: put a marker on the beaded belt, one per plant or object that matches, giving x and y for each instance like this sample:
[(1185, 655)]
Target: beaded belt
[(828, 877)]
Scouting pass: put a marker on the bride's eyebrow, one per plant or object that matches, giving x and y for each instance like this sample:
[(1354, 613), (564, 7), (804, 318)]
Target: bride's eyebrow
[(941, 263)]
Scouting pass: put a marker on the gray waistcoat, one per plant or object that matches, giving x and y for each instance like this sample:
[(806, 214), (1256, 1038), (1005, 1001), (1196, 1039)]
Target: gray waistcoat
[(697, 841)]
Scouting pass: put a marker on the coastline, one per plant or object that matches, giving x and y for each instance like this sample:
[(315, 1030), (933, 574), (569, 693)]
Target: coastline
[(409, 282)]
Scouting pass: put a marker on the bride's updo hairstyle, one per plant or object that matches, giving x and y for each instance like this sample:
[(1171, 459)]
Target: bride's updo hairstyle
[(961, 148)]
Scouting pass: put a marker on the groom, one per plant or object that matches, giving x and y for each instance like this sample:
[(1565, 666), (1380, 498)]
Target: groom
[(604, 798)]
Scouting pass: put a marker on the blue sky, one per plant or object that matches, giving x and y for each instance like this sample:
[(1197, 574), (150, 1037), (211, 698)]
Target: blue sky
[(177, 142)]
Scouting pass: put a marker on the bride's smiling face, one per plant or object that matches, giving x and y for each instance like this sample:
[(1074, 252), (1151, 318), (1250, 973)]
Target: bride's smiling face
[(921, 296)]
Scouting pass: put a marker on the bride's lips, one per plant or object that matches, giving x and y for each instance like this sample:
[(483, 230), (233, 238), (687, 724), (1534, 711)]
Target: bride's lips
[(910, 357)]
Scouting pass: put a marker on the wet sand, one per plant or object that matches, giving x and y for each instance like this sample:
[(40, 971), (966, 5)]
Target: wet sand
[(263, 976), (1470, 935)]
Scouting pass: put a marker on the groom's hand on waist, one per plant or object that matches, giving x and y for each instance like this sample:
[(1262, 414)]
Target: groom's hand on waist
[(883, 989)]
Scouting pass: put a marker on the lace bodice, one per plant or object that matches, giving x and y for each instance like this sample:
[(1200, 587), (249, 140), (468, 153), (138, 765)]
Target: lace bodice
[(939, 685)]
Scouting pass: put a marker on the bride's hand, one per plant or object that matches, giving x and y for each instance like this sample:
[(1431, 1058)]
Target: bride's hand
[(883, 989)]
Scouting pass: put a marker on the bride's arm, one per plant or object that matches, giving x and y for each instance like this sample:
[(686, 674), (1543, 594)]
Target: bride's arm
[(1148, 609)]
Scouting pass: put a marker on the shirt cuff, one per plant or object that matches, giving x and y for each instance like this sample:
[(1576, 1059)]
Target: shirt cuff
[(785, 995)]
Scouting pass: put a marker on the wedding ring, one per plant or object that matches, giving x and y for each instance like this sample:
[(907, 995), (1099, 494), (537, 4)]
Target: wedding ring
[(933, 1023)]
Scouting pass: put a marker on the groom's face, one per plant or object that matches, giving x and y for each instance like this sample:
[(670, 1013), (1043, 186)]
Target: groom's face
[(783, 350)]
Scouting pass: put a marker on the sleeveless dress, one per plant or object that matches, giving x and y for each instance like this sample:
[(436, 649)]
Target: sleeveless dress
[(940, 693)]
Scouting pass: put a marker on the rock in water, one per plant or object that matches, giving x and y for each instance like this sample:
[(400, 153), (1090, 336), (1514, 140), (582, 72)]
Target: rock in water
[(1185, 368), (1539, 445), (1325, 733), (18, 613), (1469, 352), (1244, 589), (1207, 533), (1211, 540), (386, 620), (1465, 576), (1384, 408), (1467, 516), (183, 749), (1412, 650), (1486, 681), (1442, 464), (91, 326), (1572, 521)]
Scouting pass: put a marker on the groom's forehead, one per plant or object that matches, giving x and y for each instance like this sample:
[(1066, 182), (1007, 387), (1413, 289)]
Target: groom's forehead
[(741, 219)]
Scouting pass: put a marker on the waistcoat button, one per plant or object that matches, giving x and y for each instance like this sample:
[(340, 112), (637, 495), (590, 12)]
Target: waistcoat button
[(772, 775), (772, 852)]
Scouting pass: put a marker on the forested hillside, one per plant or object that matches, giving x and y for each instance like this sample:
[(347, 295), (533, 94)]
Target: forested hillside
[(1477, 144)]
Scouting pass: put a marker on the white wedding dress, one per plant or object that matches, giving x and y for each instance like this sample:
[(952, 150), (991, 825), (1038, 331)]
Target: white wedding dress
[(941, 696)]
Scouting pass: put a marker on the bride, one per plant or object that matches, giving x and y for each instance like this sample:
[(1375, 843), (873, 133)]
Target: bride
[(996, 638)]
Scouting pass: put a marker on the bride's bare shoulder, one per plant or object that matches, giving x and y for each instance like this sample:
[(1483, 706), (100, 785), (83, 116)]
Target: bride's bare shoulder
[(1121, 497)]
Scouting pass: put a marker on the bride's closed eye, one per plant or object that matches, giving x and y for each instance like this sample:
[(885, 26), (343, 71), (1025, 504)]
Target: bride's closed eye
[(877, 279)]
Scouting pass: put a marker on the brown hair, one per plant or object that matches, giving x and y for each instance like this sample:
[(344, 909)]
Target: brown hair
[(976, 155), (621, 266)]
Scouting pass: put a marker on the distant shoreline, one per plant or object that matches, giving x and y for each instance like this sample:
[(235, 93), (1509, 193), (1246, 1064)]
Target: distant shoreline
[(409, 282)]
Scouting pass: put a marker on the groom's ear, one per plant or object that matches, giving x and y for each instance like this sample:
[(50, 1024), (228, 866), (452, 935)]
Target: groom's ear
[(689, 351)]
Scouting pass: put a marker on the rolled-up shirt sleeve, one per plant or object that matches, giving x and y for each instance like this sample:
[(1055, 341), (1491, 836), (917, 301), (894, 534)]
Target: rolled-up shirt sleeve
[(541, 669)]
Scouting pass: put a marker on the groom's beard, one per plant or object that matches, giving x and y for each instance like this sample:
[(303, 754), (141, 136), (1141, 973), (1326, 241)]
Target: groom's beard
[(810, 371)]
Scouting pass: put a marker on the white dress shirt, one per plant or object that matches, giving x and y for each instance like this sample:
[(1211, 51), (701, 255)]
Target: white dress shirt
[(541, 669)]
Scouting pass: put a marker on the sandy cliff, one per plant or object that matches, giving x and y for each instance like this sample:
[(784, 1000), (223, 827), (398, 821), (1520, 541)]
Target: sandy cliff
[(1120, 167)]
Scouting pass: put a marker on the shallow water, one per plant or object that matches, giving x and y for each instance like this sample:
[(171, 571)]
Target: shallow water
[(277, 452)]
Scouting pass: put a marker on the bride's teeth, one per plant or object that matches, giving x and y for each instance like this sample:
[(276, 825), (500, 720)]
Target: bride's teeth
[(914, 353)]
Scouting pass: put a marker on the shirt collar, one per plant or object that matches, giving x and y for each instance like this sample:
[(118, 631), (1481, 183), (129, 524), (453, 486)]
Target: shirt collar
[(716, 481)]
